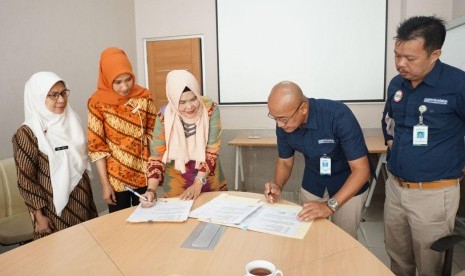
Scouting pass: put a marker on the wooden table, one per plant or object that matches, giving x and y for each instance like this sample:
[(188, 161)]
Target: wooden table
[(375, 145), (69, 252), (111, 246)]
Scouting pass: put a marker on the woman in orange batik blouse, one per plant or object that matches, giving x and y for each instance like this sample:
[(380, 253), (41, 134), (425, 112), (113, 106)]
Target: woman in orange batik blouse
[(120, 124)]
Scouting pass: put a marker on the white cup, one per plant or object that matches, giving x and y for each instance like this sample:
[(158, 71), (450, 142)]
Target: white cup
[(261, 268)]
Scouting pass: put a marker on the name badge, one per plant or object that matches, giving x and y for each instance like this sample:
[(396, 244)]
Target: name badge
[(61, 148), (325, 165), (420, 135)]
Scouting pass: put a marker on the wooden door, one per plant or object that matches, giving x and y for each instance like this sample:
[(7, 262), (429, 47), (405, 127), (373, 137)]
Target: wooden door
[(166, 55)]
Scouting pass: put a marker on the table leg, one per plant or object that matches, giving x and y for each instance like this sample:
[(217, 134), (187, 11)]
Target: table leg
[(236, 174), (381, 160), (241, 164)]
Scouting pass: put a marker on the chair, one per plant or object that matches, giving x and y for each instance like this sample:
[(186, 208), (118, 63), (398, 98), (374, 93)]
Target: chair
[(447, 244), (15, 220)]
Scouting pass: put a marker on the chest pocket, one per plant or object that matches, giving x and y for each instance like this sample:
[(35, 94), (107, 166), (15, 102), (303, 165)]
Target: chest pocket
[(326, 146), (406, 113), (438, 116)]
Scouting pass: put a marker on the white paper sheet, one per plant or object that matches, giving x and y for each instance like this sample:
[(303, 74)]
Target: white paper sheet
[(166, 209), (278, 219), (226, 209)]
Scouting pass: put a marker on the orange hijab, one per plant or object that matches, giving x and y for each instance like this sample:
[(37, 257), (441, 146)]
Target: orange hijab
[(114, 62)]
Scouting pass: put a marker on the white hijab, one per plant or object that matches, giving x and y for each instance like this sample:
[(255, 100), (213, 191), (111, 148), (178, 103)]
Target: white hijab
[(178, 148), (54, 131)]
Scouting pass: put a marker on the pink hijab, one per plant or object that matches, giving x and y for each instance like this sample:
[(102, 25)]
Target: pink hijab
[(178, 147)]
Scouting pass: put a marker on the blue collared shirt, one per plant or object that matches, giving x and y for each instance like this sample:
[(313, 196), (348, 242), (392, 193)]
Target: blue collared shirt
[(442, 91), (331, 130)]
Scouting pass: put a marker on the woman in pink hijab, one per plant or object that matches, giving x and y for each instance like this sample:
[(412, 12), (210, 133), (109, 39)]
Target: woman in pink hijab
[(187, 139)]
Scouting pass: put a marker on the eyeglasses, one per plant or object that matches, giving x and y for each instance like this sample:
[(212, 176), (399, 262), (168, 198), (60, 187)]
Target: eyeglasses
[(284, 120), (55, 95)]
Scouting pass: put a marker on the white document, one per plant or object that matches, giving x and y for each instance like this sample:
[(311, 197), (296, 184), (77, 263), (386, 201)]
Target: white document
[(278, 219), (275, 219), (166, 209), (226, 209)]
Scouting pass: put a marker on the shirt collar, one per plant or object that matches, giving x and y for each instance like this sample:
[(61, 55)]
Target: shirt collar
[(432, 78), (311, 119)]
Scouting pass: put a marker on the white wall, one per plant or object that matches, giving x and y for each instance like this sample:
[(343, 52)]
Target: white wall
[(67, 36), (64, 36), (159, 18)]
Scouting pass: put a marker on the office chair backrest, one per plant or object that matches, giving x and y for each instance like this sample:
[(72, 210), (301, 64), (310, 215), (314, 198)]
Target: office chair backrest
[(15, 220), (13, 203), (3, 195)]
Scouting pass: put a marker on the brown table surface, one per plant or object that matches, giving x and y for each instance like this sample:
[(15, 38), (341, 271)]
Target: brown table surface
[(72, 251)]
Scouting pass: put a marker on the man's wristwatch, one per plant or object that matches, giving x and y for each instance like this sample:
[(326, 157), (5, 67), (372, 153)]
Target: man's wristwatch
[(333, 204), (202, 180)]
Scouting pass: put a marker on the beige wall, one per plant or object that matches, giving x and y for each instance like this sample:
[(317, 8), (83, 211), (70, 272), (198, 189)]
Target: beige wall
[(458, 8), (64, 36), (67, 36)]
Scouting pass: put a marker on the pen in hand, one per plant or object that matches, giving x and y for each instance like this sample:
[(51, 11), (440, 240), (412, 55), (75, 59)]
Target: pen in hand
[(134, 192), (269, 194), (272, 192)]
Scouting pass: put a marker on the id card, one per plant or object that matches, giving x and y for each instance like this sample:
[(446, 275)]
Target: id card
[(420, 135), (325, 165)]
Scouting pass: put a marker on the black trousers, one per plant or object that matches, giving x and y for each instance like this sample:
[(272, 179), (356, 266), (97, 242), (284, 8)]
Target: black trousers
[(125, 200)]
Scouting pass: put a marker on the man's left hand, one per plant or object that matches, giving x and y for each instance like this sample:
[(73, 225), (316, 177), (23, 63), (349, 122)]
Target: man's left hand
[(313, 210)]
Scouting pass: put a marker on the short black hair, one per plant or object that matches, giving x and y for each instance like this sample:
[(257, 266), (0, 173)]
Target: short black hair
[(430, 28)]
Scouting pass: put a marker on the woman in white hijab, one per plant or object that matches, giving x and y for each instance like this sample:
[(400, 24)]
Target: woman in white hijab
[(186, 143), (51, 158)]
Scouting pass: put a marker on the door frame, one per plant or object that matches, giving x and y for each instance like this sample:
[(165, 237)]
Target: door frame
[(177, 37)]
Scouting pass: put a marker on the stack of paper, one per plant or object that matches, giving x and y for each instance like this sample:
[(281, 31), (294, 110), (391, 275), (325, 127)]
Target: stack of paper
[(248, 213)]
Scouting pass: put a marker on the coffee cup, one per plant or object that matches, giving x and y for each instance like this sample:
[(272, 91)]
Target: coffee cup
[(262, 268)]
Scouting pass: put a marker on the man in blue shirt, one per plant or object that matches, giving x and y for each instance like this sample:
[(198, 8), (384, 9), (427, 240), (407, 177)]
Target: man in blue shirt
[(337, 170), (424, 127)]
